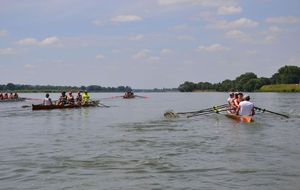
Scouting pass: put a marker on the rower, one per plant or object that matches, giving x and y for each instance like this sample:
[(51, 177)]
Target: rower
[(230, 102), (85, 97), (47, 101), (235, 102), (70, 98), (246, 108), (78, 98), (62, 99)]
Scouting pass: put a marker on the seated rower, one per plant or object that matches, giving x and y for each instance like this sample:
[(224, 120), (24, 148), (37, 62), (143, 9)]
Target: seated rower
[(1, 96), (62, 99), (5, 96), (16, 96), (70, 98), (85, 97), (78, 98), (47, 101), (11, 96), (246, 108)]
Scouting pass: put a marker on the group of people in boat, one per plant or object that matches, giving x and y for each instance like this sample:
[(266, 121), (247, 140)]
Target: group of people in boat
[(128, 94), (8, 96), (69, 99), (240, 104)]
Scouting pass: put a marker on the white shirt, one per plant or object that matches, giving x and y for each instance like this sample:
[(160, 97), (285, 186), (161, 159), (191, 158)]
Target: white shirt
[(246, 108), (47, 101)]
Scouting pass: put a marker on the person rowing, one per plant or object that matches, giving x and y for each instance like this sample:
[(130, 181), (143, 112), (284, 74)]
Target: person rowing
[(245, 108), (78, 98), (70, 98), (85, 97), (47, 100), (62, 99), (230, 101)]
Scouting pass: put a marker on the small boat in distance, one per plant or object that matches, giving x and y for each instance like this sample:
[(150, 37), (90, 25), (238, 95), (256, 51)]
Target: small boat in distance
[(128, 95), (13, 100), (51, 107), (244, 119)]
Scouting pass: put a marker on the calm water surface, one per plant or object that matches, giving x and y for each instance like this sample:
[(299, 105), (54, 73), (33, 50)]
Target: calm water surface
[(132, 146)]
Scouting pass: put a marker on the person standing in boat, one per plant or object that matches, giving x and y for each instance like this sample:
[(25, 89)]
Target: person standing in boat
[(47, 100), (85, 97), (246, 108), (62, 99), (70, 98)]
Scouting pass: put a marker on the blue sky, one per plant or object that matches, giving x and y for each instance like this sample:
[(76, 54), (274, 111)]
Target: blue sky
[(145, 43)]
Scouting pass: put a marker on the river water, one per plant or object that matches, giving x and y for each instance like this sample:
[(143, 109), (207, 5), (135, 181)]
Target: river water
[(130, 145)]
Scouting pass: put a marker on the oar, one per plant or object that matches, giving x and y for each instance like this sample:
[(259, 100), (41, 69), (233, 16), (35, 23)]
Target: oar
[(203, 110), (212, 111), (140, 96), (103, 105), (171, 114), (265, 110)]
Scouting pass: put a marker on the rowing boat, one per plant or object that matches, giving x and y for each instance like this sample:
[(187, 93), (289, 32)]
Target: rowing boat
[(13, 100), (245, 119), (129, 97), (51, 107)]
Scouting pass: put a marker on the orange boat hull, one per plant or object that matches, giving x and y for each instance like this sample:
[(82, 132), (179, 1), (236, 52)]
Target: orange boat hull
[(245, 119)]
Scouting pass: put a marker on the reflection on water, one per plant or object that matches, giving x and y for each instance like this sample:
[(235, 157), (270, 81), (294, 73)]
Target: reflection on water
[(132, 146)]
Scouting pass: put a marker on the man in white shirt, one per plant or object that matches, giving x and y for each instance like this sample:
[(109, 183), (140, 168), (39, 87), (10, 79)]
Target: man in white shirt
[(246, 108)]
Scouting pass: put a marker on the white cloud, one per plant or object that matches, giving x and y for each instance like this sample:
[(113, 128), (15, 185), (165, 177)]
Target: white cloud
[(283, 20), (165, 51), (141, 54), (99, 22), (272, 34), (50, 41), (229, 10), (126, 18), (99, 56), (28, 41), (213, 48), (237, 24), (136, 37), (3, 33), (237, 35), (7, 51)]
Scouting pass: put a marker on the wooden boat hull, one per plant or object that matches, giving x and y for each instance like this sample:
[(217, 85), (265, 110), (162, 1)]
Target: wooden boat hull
[(244, 119), (13, 100), (51, 107), (128, 97)]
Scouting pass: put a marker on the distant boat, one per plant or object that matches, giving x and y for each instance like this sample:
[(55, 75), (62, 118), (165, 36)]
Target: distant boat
[(13, 100)]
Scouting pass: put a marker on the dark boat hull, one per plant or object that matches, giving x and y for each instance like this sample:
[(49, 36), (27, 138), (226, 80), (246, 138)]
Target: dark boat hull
[(69, 106)]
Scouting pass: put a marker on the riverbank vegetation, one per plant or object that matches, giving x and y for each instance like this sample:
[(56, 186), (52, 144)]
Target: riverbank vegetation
[(280, 88), (249, 82)]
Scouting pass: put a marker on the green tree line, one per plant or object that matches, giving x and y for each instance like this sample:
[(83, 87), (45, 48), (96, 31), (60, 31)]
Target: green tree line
[(247, 82), (48, 88)]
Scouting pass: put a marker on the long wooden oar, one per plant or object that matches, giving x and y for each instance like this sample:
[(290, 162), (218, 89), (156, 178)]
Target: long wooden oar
[(265, 110)]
